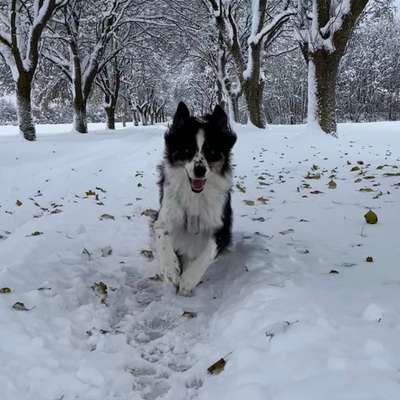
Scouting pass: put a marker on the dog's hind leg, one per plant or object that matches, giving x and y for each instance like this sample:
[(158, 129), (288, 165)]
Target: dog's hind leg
[(169, 263), (194, 270)]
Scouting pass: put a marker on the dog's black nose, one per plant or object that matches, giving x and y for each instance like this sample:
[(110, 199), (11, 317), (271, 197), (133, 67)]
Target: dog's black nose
[(199, 170)]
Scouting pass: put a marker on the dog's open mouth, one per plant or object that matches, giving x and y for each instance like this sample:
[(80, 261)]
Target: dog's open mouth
[(197, 184)]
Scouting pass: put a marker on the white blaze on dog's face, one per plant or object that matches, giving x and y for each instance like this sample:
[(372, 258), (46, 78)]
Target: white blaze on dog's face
[(200, 147), (197, 168)]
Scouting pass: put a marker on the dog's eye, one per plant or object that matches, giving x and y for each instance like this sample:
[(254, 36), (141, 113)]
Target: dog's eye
[(185, 152), (212, 154)]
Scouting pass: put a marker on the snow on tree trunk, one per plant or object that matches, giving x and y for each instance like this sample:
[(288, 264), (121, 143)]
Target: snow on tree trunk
[(253, 93), (233, 104), (227, 98), (252, 81), (220, 96), (24, 109), (312, 116), (325, 28), (230, 100), (322, 70)]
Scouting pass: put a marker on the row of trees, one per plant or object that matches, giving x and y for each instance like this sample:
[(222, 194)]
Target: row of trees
[(83, 42), (303, 44), (263, 60), (322, 30), (368, 85)]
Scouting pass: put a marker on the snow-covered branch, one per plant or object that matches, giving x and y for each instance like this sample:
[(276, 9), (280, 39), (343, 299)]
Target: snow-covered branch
[(321, 25), (272, 26)]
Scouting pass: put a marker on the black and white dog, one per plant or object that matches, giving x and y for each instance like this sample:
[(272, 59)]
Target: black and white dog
[(195, 217)]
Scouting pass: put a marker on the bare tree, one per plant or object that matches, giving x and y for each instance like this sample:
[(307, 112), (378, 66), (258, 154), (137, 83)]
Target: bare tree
[(265, 21), (83, 34), (144, 83), (324, 28), (212, 52), (21, 27), (228, 84), (147, 106), (242, 54), (109, 82), (78, 46)]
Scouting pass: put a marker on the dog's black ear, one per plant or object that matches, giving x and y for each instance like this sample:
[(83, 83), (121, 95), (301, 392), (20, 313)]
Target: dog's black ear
[(182, 114), (220, 118)]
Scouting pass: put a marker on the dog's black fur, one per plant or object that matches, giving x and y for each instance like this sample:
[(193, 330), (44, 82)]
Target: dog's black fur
[(220, 139), (195, 218)]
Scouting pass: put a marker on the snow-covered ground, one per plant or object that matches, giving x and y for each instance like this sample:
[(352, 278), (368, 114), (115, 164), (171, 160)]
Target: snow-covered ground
[(48, 129), (294, 308)]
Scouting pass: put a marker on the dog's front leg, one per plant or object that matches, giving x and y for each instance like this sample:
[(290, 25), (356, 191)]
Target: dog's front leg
[(169, 263), (195, 269)]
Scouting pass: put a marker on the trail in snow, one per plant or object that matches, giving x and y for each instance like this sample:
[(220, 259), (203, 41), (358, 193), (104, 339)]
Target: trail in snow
[(71, 345), (291, 234)]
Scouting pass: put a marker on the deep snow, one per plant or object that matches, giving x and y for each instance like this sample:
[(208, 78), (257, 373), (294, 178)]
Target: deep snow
[(133, 343)]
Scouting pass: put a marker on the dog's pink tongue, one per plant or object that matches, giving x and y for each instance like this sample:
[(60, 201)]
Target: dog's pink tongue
[(198, 183)]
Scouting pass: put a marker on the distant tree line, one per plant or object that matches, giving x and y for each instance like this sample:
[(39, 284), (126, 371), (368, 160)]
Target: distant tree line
[(264, 61)]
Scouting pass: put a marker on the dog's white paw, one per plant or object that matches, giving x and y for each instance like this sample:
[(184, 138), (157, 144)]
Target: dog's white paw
[(171, 271), (186, 286)]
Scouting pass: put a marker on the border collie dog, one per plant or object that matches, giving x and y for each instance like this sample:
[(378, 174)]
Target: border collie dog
[(194, 222)]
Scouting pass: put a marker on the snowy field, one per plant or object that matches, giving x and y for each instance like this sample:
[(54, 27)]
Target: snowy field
[(294, 308)]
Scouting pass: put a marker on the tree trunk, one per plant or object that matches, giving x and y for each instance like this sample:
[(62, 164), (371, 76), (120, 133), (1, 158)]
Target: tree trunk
[(135, 117), (124, 114), (80, 118), (143, 116), (226, 97), (322, 75), (233, 106), (24, 109), (220, 96), (323, 63), (253, 93), (109, 108), (110, 115)]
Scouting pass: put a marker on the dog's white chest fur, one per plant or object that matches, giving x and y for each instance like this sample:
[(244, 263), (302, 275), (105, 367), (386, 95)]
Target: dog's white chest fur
[(196, 213), (192, 218)]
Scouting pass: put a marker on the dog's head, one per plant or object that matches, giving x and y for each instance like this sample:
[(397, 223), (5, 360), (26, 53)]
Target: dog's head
[(201, 146)]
